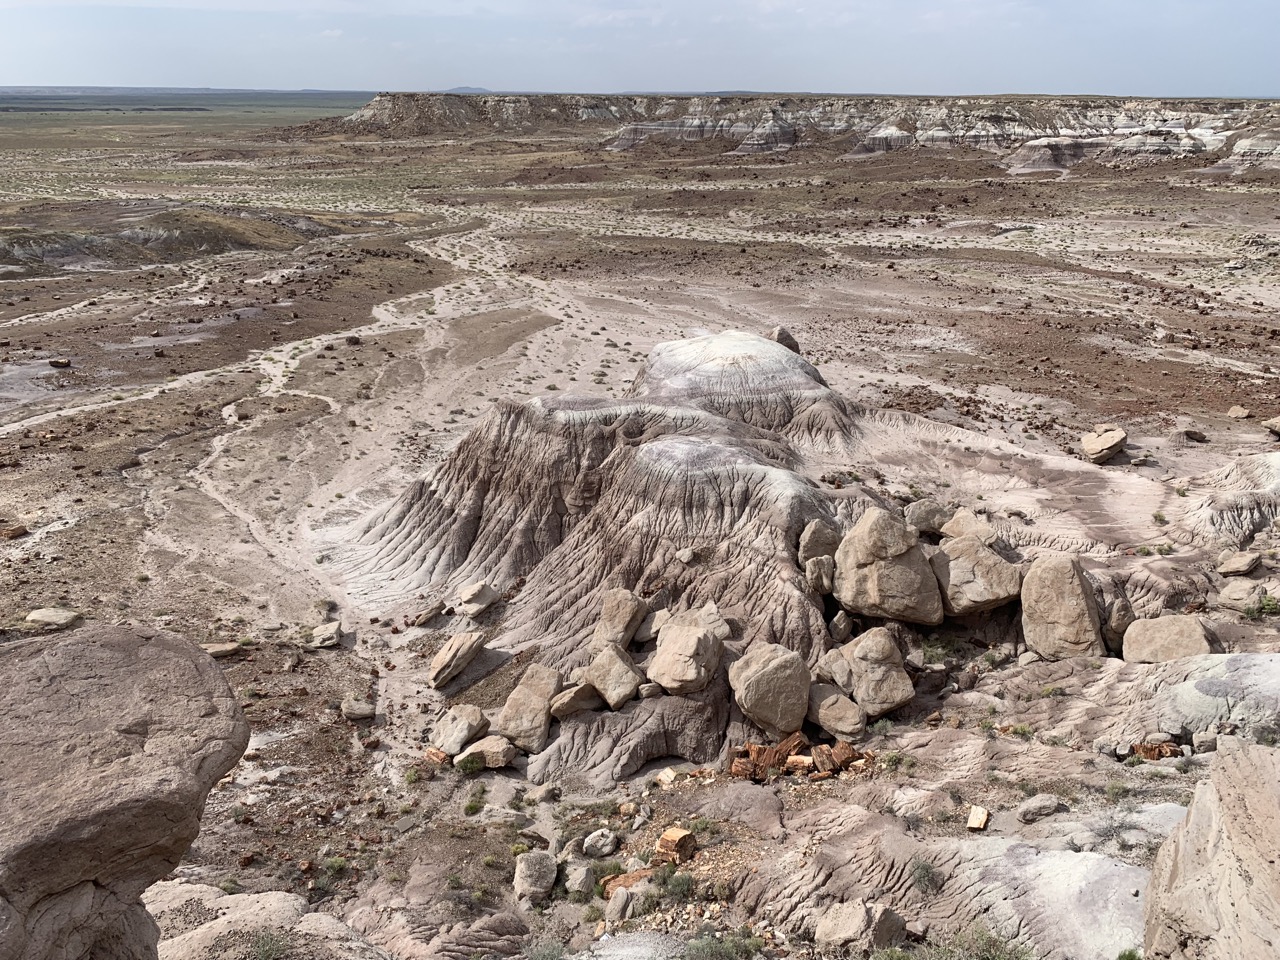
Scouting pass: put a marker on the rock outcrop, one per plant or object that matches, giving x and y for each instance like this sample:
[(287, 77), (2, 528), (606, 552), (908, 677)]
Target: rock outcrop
[(1215, 884), (112, 739)]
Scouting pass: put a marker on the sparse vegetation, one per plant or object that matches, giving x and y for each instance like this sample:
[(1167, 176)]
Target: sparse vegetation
[(269, 945), (977, 944), (470, 766), (730, 946), (925, 877)]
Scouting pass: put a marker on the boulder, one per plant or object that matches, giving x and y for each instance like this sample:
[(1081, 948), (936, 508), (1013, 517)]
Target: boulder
[(458, 727), (771, 686), (614, 675), (496, 752), (579, 878), (1060, 617), (1103, 444), (525, 719), (784, 336), (835, 713), (1038, 807), (1215, 887), (110, 740), (475, 598), (689, 649), (1273, 426), (820, 572), (881, 571), (1166, 638), (833, 668), (841, 626), (326, 635), (651, 625), (357, 709), (973, 577), (880, 682), (54, 618), (1117, 614), (675, 846), (575, 699), (1239, 413), (599, 844), (619, 906), (965, 523), (454, 657), (621, 614), (1240, 564), (819, 539), (857, 928), (535, 875), (1239, 594), (928, 515)]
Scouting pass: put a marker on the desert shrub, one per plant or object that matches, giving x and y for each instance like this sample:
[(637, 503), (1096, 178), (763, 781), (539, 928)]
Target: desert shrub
[(470, 766), (925, 877), (732, 946), (269, 945)]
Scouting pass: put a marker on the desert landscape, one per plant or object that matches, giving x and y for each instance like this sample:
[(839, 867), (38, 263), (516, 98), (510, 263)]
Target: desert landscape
[(480, 526)]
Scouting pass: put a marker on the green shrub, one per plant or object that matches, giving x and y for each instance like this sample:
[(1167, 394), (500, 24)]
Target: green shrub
[(925, 877), (269, 945), (470, 765), (1129, 954), (732, 946)]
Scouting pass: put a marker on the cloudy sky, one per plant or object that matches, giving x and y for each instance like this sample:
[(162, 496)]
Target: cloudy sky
[(1140, 47)]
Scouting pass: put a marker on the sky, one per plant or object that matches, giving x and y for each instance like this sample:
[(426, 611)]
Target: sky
[(1121, 47)]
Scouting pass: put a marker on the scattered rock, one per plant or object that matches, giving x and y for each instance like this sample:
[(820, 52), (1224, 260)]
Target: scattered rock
[(1239, 413), (973, 577), (619, 906), (978, 818), (357, 709), (429, 614), (495, 751), (621, 614), (326, 635), (880, 681), (1273, 425), (220, 651), (881, 571), (784, 336), (614, 675), (771, 686), (1166, 638), (1240, 564), (525, 719), (575, 699), (857, 928), (60, 363), (475, 598), (1038, 807), (535, 875), (834, 712), (54, 618), (1104, 443), (15, 532), (454, 657), (1060, 616), (602, 843), (458, 727), (651, 625), (675, 846), (650, 690)]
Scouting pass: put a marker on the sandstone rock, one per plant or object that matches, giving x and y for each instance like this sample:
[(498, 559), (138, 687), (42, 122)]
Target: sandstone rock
[(965, 523), (430, 613), (575, 699), (496, 752), (535, 875), (834, 712), (857, 928), (110, 741), (454, 657), (326, 635), (689, 650), (1165, 638), (614, 675), (1204, 742), (599, 844), (15, 532), (220, 651), (525, 719), (1101, 445), (819, 539), (357, 709), (973, 577), (475, 598), (675, 846), (458, 727), (651, 626), (1273, 425), (1116, 614), (621, 614), (1239, 413), (580, 878), (1038, 807), (979, 817), (833, 667), (841, 626), (882, 572), (784, 336), (771, 686), (648, 691), (1060, 616), (619, 906), (820, 572), (54, 618), (928, 515), (1215, 887), (1240, 594), (1240, 564), (880, 682)]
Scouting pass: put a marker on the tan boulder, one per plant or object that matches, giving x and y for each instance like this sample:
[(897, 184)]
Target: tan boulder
[(1215, 885), (458, 727), (1240, 564), (880, 681), (475, 598), (820, 572), (973, 577), (621, 614), (1165, 638), (928, 515), (1060, 617), (1103, 443), (525, 719), (1239, 413), (689, 649), (881, 571), (614, 675), (819, 539), (835, 713), (494, 751), (771, 686), (575, 699), (454, 657), (857, 928)]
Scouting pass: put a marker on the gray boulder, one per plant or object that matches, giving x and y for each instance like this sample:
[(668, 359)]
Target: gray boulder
[(575, 699), (881, 571), (835, 713), (689, 649), (535, 875), (614, 675), (599, 844), (458, 727), (819, 539), (525, 719), (621, 614), (1166, 638), (1060, 617), (973, 577), (820, 572), (475, 598), (928, 515), (1038, 807), (1240, 594), (454, 657), (880, 682), (771, 686)]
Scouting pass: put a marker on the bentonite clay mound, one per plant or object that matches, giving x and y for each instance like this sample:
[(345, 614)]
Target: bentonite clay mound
[(111, 742)]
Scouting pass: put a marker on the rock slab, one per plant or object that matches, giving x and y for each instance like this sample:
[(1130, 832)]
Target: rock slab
[(1165, 638), (110, 741)]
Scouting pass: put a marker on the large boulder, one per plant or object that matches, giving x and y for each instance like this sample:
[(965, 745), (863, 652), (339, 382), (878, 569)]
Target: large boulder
[(535, 875), (689, 649), (494, 753), (880, 682), (454, 657), (881, 571), (1103, 443), (1060, 617), (575, 699), (973, 577), (1166, 638), (110, 740), (621, 614), (525, 719), (819, 539), (475, 598), (771, 686), (835, 713), (614, 675), (927, 515), (458, 727), (1215, 884), (820, 573)]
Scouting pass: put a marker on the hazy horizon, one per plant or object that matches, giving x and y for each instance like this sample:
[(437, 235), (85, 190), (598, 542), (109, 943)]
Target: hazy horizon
[(1124, 48)]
